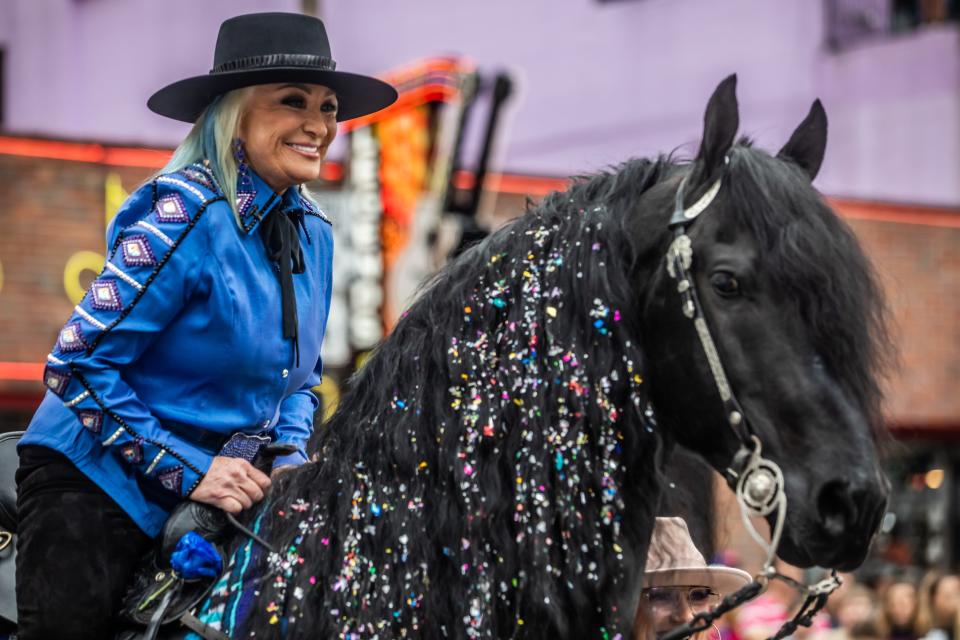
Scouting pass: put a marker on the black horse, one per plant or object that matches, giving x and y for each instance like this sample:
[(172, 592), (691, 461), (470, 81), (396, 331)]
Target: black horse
[(493, 470)]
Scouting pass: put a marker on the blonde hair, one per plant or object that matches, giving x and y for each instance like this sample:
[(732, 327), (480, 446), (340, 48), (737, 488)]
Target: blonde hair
[(926, 592), (211, 139)]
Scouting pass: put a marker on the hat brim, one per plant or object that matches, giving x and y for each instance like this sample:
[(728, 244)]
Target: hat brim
[(357, 95), (723, 580)]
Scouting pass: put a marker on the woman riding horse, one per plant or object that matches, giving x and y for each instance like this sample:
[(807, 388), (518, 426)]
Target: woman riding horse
[(200, 339)]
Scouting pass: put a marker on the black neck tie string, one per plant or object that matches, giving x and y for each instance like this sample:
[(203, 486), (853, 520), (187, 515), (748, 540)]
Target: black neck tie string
[(282, 243)]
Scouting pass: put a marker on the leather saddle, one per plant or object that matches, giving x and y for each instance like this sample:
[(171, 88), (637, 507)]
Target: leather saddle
[(9, 461), (143, 605)]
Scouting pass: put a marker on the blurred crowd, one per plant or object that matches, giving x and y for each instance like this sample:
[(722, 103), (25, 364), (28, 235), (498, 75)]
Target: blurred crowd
[(903, 606)]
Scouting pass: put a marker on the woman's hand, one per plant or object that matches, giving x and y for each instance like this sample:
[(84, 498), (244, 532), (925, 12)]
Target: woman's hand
[(233, 484)]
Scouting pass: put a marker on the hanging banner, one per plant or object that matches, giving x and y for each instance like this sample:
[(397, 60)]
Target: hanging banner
[(365, 282)]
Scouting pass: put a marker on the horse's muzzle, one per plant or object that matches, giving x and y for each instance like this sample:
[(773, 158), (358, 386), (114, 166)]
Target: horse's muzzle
[(848, 514)]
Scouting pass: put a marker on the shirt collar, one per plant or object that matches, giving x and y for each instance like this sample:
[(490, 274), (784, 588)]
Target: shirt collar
[(255, 200), (293, 201)]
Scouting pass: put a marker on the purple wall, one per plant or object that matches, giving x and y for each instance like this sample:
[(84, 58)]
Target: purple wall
[(85, 68), (6, 22), (598, 82), (603, 82), (894, 109)]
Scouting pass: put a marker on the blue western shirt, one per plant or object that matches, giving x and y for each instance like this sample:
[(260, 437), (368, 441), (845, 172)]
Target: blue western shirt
[(179, 341)]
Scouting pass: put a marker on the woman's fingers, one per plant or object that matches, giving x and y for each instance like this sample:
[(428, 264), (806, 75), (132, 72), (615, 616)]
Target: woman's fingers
[(247, 483), (233, 484), (245, 500), (262, 479), (230, 505), (251, 481), (251, 489)]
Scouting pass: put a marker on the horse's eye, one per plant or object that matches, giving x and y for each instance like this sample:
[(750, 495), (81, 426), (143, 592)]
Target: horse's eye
[(725, 284)]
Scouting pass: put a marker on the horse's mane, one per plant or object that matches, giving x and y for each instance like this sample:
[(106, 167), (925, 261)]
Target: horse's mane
[(516, 375), (497, 445)]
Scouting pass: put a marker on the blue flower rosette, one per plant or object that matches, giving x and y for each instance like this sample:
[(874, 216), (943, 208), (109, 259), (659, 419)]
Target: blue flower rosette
[(195, 558)]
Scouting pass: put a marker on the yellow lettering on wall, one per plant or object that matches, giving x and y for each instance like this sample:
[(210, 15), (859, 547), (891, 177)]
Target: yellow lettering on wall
[(114, 196), (76, 264), (361, 359), (329, 392)]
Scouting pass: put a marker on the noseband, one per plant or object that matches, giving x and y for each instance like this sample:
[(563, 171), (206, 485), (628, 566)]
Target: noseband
[(758, 481)]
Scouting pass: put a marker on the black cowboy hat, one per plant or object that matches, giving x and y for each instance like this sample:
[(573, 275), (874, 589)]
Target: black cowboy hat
[(263, 48)]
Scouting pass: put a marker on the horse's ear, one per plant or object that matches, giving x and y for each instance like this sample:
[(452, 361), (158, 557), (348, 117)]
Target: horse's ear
[(808, 143), (720, 124)]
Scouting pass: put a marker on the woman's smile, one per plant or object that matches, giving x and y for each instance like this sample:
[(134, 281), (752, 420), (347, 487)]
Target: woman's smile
[(311, 151)]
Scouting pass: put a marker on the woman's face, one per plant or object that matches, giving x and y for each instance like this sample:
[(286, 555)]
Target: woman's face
[(946, 600), (855, 608), (286, 130), (901, 604), (663, 608)]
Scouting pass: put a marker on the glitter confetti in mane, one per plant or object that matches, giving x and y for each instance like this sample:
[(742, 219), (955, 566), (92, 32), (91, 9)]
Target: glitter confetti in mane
[(491, 467)]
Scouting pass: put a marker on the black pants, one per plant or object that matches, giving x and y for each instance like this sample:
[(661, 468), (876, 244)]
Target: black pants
[(76, 551)]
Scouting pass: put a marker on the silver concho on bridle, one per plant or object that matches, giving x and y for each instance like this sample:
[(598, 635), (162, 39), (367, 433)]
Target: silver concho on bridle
[(759, 491), (758, 481)]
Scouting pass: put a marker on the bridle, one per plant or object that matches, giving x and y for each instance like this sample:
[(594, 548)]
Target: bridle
[(758, 481)]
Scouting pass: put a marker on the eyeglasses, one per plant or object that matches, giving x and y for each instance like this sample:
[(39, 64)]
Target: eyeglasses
[(668, 599)]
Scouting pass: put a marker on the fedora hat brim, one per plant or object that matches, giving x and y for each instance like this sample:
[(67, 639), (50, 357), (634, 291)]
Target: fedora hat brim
[(723, 580), (357, 95)]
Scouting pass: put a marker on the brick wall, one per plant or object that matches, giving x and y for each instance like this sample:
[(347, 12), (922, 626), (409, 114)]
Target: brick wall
[(920, 269), (49, 210)]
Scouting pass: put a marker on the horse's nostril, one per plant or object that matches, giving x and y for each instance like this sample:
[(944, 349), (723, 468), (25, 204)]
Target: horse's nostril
[(837, 509)]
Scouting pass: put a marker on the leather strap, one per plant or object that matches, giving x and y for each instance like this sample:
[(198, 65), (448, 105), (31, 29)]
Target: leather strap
[(8, 566), (202, 629)]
